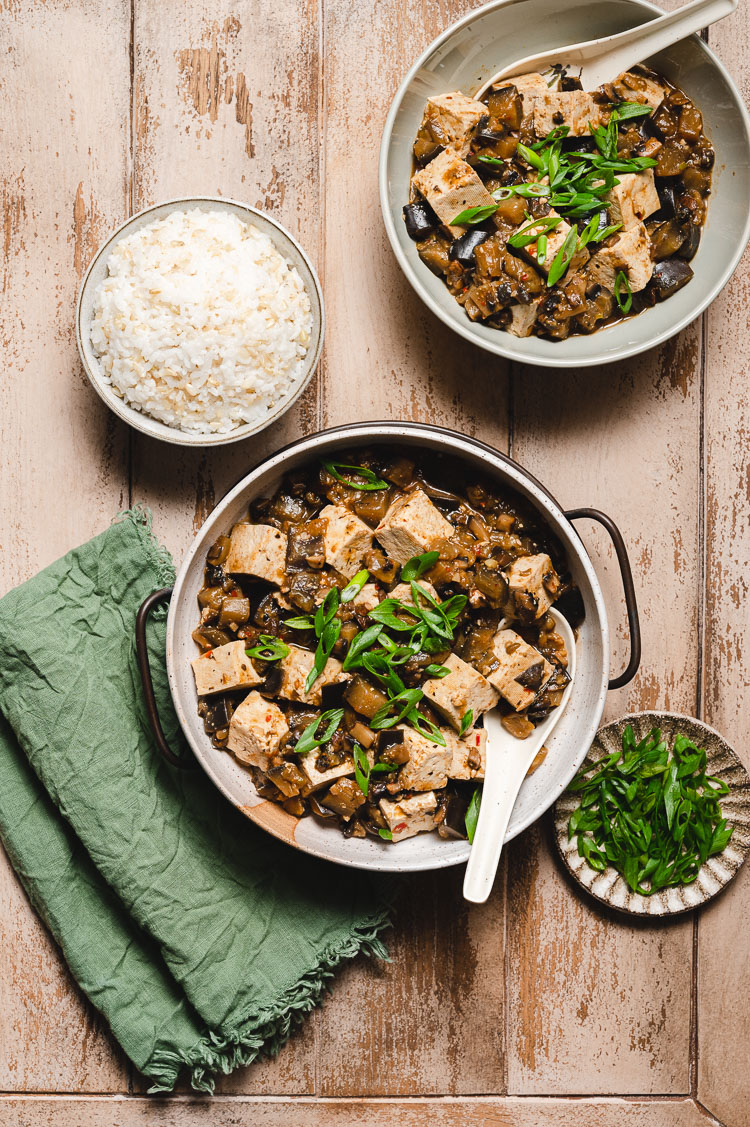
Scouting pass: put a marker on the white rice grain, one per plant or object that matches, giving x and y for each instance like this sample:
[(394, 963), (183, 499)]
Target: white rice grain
[(201, 323)]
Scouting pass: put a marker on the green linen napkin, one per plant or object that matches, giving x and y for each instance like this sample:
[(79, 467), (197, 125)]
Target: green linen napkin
[(201, 939)]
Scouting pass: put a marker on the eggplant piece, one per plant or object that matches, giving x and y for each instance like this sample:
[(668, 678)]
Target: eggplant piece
[(462, 249), (214, 575), (670, 276), (216, 713), (570, 82), (344, 798), (332, 696), (426, 149), (420, 220), (234, 610), (453, 824), (570, 605), (689, 248), (518, 725), (532, 677), (666, 240), (364, 697), (304, 550)]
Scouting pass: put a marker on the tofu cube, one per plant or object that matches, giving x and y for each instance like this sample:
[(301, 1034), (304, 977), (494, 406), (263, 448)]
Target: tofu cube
[(259, 550), (428, 763), (634, 87), (469, 754), (294, 669), (346, 538), (317, 779), (463, 689), (412, 526), (368, 598), (403, 592), (634, 198), (555, 239), (450, 186), (454, 117), (224, 668), (533, 583), (256, 730), (529, 86), (517, 659), (411, 816), (523, 318), (631, 252), (573, 108)]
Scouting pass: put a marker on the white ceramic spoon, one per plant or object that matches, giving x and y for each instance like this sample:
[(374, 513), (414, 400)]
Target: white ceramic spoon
[(602, 60), (507, 762)]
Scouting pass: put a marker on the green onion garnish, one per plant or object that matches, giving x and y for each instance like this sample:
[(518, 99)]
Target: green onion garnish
[(269, 648), (472, 814), (474, 215), (311, 736), (654, 817), (369, 480), (622, 283)]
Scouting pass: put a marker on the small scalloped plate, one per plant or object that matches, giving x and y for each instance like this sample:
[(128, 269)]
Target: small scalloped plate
[(723, 762)]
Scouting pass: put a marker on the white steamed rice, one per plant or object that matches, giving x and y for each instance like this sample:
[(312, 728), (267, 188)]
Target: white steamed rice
[(200, 322)]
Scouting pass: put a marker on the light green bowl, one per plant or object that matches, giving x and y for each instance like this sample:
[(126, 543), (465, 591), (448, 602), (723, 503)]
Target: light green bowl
[(479, 45)]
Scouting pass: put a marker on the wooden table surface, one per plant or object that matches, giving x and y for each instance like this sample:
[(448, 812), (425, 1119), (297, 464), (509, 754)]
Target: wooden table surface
[(537, 1009)]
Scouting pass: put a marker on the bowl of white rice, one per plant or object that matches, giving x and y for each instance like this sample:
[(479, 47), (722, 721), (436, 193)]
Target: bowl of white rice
[(200, 321)]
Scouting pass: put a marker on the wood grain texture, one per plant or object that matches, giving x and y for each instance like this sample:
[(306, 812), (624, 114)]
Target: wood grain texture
[(225, 103), (63, 473), (238, 1112), (431, 1021), (414, 1027), (597, 1004), (386, 356), (723, 968)]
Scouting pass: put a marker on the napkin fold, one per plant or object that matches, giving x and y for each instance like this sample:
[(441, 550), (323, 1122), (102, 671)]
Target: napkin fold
[(201, 939)]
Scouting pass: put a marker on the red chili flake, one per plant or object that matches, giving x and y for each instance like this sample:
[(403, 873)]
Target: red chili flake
[(401, 826), (208, 653), (478, 739)]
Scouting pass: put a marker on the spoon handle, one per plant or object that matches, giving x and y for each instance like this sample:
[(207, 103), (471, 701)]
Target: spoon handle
[(499, 792), (651, 38)]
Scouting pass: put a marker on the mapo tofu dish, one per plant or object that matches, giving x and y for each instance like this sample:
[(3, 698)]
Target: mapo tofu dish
[(549, 210), (358, 624)]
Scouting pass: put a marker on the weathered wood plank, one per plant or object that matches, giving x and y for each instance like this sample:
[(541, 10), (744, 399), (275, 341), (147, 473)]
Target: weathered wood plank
[(416, 1025), (724, 973), (63, 473), (598, 1004), (238, 1112), (430, 1022), (386, 355), (225, 104)]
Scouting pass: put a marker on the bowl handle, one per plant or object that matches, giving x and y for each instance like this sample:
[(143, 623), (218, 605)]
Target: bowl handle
[(634, 626), (183, 761)]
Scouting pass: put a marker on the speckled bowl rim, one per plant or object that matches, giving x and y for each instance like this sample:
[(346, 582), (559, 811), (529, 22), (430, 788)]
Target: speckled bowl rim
[(506, 345), (560, 817), (153, 427)]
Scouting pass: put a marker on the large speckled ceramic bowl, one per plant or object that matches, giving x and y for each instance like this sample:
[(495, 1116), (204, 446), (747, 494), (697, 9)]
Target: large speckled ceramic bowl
[(568, 744), (465, 56), (609, 887)]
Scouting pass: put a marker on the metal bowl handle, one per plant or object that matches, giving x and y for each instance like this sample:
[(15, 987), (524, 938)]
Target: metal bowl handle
[(164, 595), (634, 626)]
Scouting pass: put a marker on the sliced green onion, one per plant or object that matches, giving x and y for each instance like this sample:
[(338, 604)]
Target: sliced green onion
[(269, 648), (466, 722), (472, 814), (369, 481), (354, 586), (311, 736), (418, 565), (473, 215), (622, 283)]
